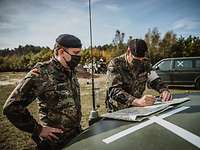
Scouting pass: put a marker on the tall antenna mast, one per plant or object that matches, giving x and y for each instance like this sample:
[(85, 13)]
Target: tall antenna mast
[(93, 93), (93, 114)]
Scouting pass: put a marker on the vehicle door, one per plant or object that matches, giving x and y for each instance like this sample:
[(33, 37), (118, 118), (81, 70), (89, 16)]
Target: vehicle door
[(163, 69), (197, 69), (183, 72)]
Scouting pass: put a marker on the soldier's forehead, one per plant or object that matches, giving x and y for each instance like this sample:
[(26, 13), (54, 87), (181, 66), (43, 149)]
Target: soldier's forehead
[(74, 49)]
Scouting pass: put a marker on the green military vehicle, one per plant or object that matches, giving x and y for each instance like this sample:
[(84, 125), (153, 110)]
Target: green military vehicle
[(179, 71), (177, 128)]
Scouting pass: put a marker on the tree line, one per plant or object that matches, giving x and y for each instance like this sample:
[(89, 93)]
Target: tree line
[(25, 57), (171, 45), (159, 47)]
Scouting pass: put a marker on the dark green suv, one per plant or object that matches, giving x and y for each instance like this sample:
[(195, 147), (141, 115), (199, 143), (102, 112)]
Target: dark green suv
[(179, 71)]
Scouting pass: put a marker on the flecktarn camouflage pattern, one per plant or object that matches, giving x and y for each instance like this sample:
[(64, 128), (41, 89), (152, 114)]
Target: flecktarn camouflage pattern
[(125, 82), (58, 94)]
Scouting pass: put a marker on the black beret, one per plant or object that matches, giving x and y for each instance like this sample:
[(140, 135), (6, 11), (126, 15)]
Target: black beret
[(138, 47), (69, 41)]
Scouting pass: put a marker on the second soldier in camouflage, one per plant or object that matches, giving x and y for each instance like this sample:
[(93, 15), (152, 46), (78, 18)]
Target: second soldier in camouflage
[(127, 77)]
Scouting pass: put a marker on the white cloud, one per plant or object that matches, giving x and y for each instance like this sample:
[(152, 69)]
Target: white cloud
[(40, 22), (31, 28), (187, 24), (95, 1), (86, 2), (112, 7)]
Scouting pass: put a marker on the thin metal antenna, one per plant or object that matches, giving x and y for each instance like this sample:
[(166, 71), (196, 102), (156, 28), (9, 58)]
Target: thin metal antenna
[(93, 114), (93, 93)]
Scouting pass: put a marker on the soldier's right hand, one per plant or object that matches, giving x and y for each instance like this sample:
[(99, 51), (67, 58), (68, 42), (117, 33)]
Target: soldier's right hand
[(49, 133), (146, 100)]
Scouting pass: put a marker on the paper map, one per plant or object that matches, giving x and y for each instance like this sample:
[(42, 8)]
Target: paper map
[(141, 113)]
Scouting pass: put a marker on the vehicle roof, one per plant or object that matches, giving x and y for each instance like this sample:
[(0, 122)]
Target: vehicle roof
[(177, 58), (181, 58), (153, 136)]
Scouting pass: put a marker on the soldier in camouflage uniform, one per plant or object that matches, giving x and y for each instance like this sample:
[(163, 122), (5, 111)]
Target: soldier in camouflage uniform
[(127, 76), (55, 85)]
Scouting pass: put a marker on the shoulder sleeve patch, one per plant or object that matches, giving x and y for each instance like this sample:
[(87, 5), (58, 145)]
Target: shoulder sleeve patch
[(152, 76)]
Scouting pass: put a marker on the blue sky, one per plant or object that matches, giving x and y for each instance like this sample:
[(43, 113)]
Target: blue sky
[(39, 22)]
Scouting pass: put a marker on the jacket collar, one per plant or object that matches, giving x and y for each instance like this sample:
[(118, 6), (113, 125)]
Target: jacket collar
[(59, 66)]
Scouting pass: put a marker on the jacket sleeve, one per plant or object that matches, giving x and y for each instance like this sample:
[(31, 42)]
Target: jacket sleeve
[(115, 86), (15, 106), (155, 82)]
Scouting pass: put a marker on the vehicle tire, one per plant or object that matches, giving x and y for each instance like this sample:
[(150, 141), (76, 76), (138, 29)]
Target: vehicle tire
[(197, 84)]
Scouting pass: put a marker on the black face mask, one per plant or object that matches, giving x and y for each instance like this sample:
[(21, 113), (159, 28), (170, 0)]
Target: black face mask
[(75, 59), (138, 65)]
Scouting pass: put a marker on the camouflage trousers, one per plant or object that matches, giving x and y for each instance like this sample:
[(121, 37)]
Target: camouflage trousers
[(63, 140)]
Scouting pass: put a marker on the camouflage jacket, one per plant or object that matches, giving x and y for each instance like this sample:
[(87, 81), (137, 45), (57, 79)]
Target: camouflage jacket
[(125, 82), (58, 93)]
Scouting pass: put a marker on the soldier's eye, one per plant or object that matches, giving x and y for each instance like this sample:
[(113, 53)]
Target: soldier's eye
[(77, 52)]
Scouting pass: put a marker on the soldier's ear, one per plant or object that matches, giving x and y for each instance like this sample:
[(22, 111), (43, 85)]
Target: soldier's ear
[(129, 51), (35, 72), (61, 51), (129, 55)]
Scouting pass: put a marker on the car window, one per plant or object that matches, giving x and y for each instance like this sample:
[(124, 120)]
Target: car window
[(165, 65), (197, 63), (183, 65)]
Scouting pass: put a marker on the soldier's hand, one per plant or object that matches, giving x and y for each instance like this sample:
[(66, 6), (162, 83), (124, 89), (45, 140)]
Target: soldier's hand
[(146, 100), (49, 133), (166, 96)]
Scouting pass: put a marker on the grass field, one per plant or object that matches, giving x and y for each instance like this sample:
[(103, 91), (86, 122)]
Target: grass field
[(13, 139)]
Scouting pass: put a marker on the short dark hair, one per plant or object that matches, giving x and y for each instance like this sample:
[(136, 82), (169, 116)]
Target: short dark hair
[(56, 48)]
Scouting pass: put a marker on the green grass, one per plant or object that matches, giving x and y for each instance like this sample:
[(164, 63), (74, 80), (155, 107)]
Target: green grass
[(13, 139)]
